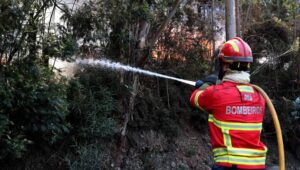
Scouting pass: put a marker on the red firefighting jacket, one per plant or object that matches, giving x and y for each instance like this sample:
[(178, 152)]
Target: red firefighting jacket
[(236, 113)]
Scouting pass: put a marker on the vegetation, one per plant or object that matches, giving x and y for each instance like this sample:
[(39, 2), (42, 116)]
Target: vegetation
[(100, 119), (33, 109), (91, 105)]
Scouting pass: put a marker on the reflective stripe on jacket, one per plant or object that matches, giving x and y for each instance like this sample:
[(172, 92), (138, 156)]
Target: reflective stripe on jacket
[(235, 118)]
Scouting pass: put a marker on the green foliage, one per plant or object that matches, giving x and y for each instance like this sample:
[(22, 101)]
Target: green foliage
[(33, 108), (33, 103), (85, 20), (152, 112), (63, 46), (89, 157), (273, 36), (13, 147), (23, 33), (91, 104), (4, 122), (272, 40), (140, 11)]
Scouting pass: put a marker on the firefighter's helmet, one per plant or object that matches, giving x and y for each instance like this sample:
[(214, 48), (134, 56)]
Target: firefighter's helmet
[(235, 50)]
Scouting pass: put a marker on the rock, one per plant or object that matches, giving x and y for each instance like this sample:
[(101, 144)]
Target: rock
[(173, 164)]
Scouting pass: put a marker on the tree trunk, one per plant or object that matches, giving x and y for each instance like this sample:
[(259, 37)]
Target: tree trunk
[(245, 21), (213, 35), (230, 19), (142, 53), (213, 26), (298, 61), (141, 33), (31, 40), (51, 21), (278, 8), (237, 14), (168, 97), (297, 39), (165, 23)]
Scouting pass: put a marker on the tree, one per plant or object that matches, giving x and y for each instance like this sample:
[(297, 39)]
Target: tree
[(129, 31), (34, 105), (238, 20), (230, 19)]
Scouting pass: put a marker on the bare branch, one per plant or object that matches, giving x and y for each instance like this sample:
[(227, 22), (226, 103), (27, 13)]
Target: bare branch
[(165, 23)]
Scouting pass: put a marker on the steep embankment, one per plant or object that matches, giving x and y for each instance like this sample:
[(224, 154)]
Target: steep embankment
[(163, 133)]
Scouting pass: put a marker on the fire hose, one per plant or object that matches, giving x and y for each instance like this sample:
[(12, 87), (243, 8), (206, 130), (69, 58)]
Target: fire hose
[(277, 127)]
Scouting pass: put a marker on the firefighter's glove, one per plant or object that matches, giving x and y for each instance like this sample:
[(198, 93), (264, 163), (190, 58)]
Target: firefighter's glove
[(198, 84), (212, 79)]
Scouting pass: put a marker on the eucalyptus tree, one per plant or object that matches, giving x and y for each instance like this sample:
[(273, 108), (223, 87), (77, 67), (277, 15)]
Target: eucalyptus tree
[(130, 30)]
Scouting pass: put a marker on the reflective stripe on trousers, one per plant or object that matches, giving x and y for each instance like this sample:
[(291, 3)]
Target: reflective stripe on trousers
[(241, 160), (238, 151)]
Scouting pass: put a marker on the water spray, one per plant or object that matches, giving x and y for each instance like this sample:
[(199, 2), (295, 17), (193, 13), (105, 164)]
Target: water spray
[(118, 66)]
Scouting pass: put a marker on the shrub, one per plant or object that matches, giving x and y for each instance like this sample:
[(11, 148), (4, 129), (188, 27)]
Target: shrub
[(33, 108), (91, 104), (90, 157)]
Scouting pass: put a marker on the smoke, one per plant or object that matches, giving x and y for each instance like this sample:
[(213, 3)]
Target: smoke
[(118, 67)]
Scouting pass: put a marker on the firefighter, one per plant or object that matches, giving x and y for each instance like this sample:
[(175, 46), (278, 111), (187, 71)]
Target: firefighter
[(235, 111)]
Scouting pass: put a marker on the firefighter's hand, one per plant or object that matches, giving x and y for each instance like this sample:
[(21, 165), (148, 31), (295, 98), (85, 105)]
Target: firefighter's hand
[(198, 84), (212, 79)]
